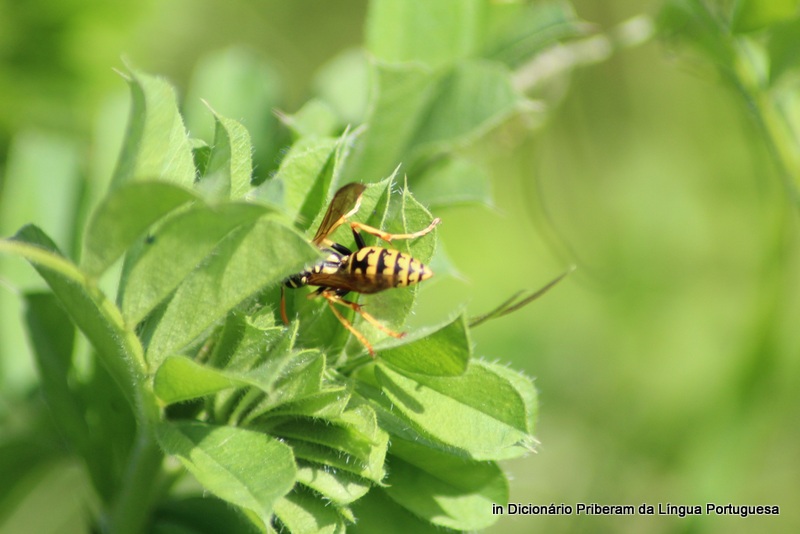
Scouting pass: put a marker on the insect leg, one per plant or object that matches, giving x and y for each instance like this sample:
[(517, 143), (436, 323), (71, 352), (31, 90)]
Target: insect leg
[(283, 306), (367, 317), (331, 298), (386, 236)]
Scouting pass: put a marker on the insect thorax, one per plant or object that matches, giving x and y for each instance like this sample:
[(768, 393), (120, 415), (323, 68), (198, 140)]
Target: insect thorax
[(330, 265)]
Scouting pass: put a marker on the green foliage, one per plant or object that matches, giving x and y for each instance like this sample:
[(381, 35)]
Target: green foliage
[(294, 426), (753, 45)]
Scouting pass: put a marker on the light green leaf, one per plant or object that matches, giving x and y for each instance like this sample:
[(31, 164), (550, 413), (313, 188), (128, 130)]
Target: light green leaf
[(306, 175), (337, 486), (301, 513), (238, 83), (399, 101), (174, 250), (343, 83), (123, 216), (444, 489), (156, 145), (328, 403), (99, 320), (470, 100), (756, 14), (315, 118), (435, 32), (452, 182), (449, 412), (443, 352), (230, 165), (180, 378), (247, 260), (245, 468)]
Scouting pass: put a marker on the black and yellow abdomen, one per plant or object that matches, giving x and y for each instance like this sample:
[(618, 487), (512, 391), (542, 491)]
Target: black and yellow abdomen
[(374, 269)]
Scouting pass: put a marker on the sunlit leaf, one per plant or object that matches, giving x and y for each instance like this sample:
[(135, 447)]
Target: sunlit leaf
[(156, 145), (246, 468)]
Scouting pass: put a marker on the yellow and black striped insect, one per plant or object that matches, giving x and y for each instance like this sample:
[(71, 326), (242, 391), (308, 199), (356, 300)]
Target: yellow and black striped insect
[(369, 269)]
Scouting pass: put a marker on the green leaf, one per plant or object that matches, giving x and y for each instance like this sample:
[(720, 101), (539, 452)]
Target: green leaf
[(200, 515), (444, 489), (123, 216), (444, 352), (343, 83), (337, 486), (52, 336), (783, 44), (351, 441), (230, 164), (247, 260), (174, 250), (315, 119), (328, 403), (434, 33), (476, 96), (377, 513), (301, 513), (399, 101), (756, 14), (238, 83), (245, 468), (306, 175), (462, 414), (518, 31), (156, 146), (453, 181), (97, 318), (180, 378)]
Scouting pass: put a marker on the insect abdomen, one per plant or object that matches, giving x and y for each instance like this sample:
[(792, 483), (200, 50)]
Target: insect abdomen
[(378, 268)]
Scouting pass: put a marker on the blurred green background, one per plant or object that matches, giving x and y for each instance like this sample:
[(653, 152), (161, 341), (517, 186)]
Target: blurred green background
[(667, 364)]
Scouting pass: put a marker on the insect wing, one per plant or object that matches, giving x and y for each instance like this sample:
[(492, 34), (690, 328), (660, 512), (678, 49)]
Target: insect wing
[(344, 204)]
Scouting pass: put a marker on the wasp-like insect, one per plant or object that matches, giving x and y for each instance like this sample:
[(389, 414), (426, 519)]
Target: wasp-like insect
[(367, 270)]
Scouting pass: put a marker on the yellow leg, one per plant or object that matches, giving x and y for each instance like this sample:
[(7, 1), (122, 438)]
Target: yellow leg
[(333, 298), (386, 236), (283, 306), (347, 324)]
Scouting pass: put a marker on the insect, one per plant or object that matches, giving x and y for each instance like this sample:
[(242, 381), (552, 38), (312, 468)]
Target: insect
[(368, 269)]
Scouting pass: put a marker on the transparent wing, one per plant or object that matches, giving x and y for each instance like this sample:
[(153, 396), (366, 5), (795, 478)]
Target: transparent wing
[(345, 203)]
